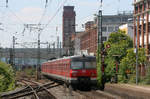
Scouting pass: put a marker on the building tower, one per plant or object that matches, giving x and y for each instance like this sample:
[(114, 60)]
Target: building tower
[(68, 27), (142, 27), (141, 24)]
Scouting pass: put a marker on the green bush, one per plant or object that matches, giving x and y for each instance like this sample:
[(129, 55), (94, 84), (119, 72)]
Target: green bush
[(122, 79), (128, 64), (99, 72), (132, 79), (147, 78), (30, 71), (7, 78)]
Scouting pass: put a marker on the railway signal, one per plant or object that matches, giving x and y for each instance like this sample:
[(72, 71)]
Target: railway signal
[(108, 46)]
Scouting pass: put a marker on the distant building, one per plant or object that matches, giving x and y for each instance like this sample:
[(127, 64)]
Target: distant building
[(68, 27), (142, 27), (76, 42), (29, 56), (111, 23), (142, 24), (88, 38)]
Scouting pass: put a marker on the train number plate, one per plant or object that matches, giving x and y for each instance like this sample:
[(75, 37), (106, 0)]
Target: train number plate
[(83, 71)]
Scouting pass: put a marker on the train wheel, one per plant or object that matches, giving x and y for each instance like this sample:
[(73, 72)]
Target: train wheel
[(74, 87)]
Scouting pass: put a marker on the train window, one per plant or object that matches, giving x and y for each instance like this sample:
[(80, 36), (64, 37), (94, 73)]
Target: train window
[(90, 65), (76, 65)]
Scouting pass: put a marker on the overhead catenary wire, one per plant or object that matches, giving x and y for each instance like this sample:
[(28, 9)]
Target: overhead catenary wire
[(6, 3), (18, 20), (90, 15), (16, 16), (50, 20), (101, 4), (45, 10), (46, 3), (99, 7)]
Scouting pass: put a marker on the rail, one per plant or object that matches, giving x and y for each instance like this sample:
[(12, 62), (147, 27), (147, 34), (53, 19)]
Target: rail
[(32, 88)]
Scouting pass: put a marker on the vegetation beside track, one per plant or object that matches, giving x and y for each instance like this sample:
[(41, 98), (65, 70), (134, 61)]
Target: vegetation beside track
[(120, 59), (7, 77), (99, 72), (29, 71), (146, 79), (26, 72), (127, 65), (119, 43)]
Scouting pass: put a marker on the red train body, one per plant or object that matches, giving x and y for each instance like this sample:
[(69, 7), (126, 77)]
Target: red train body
[(73, 70)]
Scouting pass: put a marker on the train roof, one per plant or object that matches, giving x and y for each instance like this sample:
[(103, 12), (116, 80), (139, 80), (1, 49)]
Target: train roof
[(71, 57)]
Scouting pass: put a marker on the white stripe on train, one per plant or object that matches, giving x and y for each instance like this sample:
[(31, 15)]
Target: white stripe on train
[(66, 79)]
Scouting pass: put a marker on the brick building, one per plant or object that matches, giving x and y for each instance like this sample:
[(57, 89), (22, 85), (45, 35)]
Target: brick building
[(86, 40), (89, 38), (141, 24), (68, 27)]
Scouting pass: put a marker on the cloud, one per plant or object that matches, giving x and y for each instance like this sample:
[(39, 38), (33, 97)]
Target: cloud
[(88, 4), (28, 15), (31, 10)]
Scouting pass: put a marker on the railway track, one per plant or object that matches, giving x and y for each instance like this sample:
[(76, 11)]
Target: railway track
[(54, 90), (96, 94), (31, 89)]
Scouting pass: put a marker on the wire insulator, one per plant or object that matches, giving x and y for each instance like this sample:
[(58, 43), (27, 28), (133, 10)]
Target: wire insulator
[(6, 3), (46, 3)]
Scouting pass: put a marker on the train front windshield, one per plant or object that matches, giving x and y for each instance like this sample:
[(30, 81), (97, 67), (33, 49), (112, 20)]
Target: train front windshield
[(90, 65), (76, 65), (83, 63)]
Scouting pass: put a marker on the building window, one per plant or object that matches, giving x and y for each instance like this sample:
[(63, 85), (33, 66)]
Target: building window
[(116, 28), (144, 6), (104, 29), (124, 19), (110, 29), (104, 38)]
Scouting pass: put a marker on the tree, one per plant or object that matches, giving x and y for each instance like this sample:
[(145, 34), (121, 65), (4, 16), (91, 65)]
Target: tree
[(119, 43)]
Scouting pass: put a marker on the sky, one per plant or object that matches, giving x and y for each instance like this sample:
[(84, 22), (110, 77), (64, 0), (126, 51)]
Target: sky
[(21, 12)]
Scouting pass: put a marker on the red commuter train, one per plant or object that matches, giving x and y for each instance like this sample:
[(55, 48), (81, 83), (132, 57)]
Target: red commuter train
[(74, 70)]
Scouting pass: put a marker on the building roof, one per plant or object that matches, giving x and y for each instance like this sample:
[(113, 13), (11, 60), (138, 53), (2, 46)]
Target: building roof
[(72, 57), (138, 1)]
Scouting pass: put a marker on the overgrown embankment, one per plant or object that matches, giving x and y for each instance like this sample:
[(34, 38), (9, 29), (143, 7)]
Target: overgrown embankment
[(7, 77)]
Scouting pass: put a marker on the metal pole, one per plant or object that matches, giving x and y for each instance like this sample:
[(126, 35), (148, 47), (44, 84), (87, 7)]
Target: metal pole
[(100, 41), (136, 58), (98, 30), (57, 46), (1, 54), (13, 52), (60, 49), (39, 56)]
